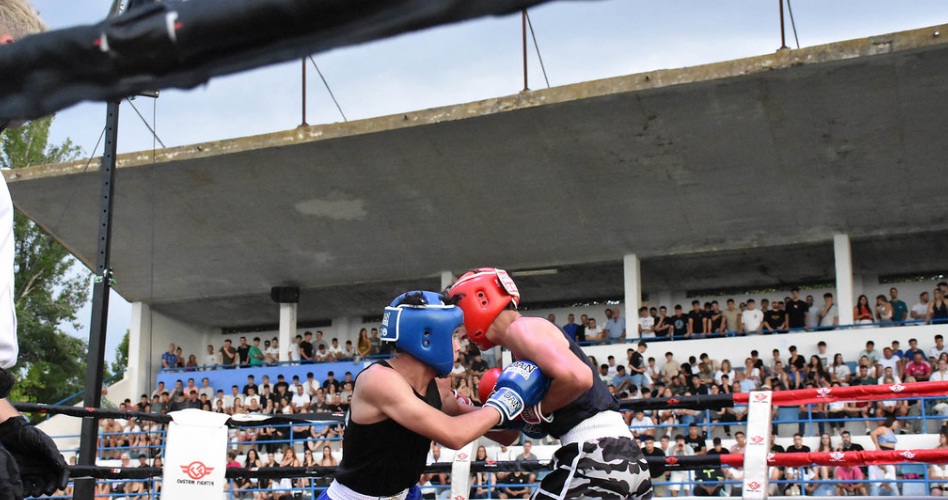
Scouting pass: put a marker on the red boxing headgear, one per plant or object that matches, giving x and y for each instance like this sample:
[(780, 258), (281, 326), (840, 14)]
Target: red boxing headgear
[(482, 294)]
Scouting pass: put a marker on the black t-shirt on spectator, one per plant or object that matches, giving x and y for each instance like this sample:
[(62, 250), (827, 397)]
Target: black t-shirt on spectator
[(695, 443), (716, 320), (774, 318), (243, 354), (247, 389), (723, 451), (802, 449), (662, 327), (854, 447), (697, 321), (637, 361), (799, 362), (335, 383), (796, 311), (679, 324), (306, 351)]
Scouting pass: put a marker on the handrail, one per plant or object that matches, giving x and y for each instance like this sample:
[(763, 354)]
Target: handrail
[(105, 383)]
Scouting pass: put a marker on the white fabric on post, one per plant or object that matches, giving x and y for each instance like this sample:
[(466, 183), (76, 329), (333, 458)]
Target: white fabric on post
[(758, 445), (461, 472), (195, 455)]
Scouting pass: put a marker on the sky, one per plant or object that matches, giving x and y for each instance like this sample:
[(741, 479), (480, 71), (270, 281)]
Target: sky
[(578, 40)]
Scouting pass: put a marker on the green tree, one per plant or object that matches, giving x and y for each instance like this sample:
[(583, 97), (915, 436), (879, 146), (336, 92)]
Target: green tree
[(121, 358), (49, 286)]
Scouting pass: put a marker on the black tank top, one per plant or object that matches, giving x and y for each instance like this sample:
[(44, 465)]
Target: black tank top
[(589, 403), (940, 312), (384, 458)]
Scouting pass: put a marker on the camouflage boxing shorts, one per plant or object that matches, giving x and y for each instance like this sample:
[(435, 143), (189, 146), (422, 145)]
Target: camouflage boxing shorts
[(608, 467)]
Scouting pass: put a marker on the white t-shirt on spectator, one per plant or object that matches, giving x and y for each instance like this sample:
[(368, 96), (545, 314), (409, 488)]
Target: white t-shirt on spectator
[(842, 371), (752, 318), (300, 400), (310, 387), (210, 359), (647, 323), (294, 352), (272, 352), (248, 399), (592, 333), (921, 310), (892, 362), (336, 352), (935, 352), (938, 376), (830, 317)]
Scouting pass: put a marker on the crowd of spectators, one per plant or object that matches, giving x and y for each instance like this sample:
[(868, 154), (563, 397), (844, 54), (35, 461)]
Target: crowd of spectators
[(791, 313), (306, 349)]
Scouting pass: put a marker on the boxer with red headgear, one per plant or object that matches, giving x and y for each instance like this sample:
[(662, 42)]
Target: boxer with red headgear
[(578, 408), (30, 463), (398, 406)]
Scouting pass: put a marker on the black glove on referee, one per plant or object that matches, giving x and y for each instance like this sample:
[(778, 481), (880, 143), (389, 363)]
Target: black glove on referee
[(42, 468), (11, 487)]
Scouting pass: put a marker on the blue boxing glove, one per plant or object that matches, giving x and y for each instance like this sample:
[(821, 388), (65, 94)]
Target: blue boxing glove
[(520, 386)]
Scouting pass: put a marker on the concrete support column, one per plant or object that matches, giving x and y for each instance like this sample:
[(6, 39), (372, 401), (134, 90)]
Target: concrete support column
[(844, 278), (447, 278), (633, 293), (287, 329), (142, 368)]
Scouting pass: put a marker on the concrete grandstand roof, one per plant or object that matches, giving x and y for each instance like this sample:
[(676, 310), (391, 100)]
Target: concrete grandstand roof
[(725, 175)]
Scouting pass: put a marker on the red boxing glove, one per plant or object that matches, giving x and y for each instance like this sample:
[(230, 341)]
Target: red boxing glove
[(487, 383)]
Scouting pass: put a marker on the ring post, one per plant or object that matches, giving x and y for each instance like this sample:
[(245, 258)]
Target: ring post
[(758, 445)]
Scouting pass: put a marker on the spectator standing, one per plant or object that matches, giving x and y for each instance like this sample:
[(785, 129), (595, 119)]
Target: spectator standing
[(243, 353), (375, 342), (797, 311), (637, 367), (570, 328), (169, 360), (615, 328), (227, 355), (884, 311), (937, 309), (829, 315), (307, 351), (662, 325), (697, 321), (210, 359), (272, 353), (593, 333), (862, 313), (646, 324), (920, 309), (679, 323), (293, 353), (254, 354), (751, 319), (732, 317), (899, 308), (335, 350)]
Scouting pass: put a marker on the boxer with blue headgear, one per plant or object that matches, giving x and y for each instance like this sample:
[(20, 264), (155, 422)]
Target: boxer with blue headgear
[(399, 406), (422, 325)]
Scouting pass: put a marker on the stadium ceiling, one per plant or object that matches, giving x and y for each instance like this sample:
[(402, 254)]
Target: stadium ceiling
[(733, 174)]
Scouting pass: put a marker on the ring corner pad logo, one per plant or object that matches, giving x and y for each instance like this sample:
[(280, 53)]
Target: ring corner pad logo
[(196, 472)]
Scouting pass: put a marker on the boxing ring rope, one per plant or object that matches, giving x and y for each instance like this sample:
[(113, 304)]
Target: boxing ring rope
[(794, 397), (657, 465)]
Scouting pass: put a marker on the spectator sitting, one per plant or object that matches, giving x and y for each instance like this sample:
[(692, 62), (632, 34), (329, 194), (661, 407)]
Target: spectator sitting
[(849, 473)]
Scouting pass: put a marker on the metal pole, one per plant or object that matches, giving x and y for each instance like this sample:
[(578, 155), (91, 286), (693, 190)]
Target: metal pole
[(304, 124), (783, 30), (85, 488), (523, 21)]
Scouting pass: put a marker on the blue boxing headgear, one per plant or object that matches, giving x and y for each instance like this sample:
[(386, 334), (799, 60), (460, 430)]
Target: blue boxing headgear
[(420, 324)]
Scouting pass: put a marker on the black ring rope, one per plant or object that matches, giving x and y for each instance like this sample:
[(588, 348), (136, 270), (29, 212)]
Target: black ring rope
[(100, 413), (98, 472)]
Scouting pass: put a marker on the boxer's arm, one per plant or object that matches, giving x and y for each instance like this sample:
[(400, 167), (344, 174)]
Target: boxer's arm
[(387, 395), (451, 406), (539, 341)]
